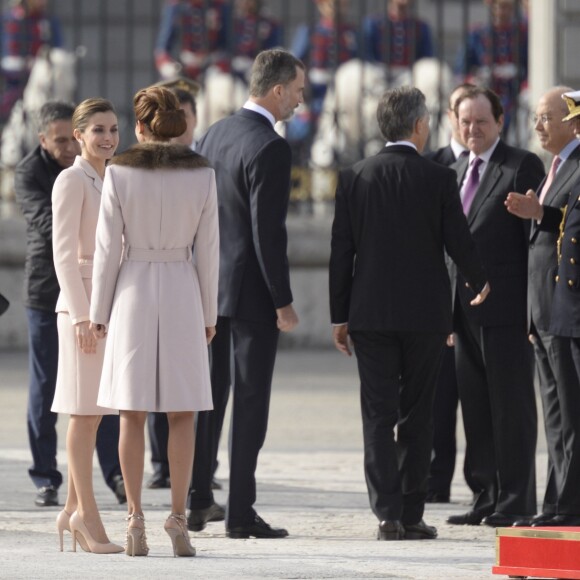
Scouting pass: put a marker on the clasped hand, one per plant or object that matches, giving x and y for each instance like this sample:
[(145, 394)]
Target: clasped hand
[(86, 337)]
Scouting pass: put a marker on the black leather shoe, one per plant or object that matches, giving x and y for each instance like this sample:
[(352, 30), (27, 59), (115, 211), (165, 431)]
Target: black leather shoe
[(466, 519), (437, 497), (46, 496), (561, 520), (420, 531), (257, 529), (119, 489), (159, 481), (501, 520), (197, 519), (539, 520), (215, 484), (391, 530)]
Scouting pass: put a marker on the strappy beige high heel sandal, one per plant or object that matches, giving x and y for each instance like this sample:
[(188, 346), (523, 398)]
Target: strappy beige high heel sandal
[(136, 538), (176, 527)]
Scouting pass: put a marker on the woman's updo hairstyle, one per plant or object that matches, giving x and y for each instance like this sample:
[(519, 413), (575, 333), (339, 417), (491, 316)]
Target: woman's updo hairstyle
[(158, 108), (87, 109)]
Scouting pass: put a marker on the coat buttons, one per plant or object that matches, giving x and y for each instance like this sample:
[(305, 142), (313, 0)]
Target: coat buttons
[(557, 278), (570, 283), (572, 261), (574, 240)]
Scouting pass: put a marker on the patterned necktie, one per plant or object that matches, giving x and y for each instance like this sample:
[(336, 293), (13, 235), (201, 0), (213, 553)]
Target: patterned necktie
[(471, 185), (551, 174)]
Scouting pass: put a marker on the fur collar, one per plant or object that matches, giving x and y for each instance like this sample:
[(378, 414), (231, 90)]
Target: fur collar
[(160, 156)]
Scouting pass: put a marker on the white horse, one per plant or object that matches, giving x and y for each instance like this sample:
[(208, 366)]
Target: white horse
[(348, 129), (221, 95), (52, 77)]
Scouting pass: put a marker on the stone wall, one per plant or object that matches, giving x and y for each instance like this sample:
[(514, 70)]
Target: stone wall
[(13, 332), (309, 250)]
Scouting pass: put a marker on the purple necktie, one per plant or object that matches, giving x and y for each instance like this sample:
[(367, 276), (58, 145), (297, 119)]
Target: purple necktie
[(471, 185)]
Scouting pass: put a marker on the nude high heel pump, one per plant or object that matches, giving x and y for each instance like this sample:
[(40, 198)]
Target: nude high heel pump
[(81, 534), (176, 527), (136, 538), (62, 524)]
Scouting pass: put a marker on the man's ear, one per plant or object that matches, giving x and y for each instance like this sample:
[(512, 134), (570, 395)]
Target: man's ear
[(500, 122), (277, 90), (42, 140)]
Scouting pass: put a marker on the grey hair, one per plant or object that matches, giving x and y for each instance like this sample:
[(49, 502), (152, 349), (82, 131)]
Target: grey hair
[(273, 67), (398, 111), (53, 111)]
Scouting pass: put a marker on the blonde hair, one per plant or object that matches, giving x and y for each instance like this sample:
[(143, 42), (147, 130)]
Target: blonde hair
[(87, 109), (158, 108)]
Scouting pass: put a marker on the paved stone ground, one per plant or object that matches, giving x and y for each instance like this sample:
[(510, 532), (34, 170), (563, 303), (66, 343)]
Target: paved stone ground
[(310, 481)]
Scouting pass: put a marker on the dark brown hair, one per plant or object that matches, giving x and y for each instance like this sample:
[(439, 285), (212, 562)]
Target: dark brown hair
[(494, 101), (158, 108)]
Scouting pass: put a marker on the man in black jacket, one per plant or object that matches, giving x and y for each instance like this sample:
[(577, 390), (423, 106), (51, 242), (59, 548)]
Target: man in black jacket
[(252, 164), (494, 359), (396, 215), (446, 392), (34, 177)]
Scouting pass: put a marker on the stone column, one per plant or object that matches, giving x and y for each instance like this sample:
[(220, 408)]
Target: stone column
[(543, 47)]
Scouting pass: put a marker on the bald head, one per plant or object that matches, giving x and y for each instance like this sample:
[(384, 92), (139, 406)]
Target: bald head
[(552, 133)]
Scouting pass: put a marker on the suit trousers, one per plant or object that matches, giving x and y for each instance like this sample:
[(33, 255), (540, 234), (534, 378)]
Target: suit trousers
[(253, 345), (209, 424), (398, 371), (444, 424), (158, 429), (556, 372), (107, 446), (568, 497), (496, 389), (42, 369), (444, 428)]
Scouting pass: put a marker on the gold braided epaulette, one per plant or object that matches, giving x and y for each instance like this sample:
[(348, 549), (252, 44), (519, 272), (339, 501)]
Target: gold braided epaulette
[(561, 236)]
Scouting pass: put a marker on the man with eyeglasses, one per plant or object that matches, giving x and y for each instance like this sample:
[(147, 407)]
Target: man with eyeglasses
[(559, 384)]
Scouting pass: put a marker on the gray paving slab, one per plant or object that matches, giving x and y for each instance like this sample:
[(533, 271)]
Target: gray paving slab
[(310, 480)]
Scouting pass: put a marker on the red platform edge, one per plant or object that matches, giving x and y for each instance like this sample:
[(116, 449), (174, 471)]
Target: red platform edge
[(538, 552)]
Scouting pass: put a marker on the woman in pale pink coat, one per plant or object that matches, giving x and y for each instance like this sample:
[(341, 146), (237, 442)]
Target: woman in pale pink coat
[(159, 301), (76, 198)]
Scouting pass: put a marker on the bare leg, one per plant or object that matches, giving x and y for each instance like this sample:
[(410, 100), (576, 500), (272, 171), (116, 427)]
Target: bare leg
[(71, 496), (132, 456), (180, 450), (81, 438)]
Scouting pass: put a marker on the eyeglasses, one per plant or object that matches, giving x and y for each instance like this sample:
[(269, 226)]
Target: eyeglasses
[(542, 118)]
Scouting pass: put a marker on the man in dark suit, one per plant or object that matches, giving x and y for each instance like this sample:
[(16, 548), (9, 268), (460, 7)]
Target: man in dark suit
[(559, 384), (494, 358), (395, 215), (456, 149), (446, 394), (252, 164), (33, 180)]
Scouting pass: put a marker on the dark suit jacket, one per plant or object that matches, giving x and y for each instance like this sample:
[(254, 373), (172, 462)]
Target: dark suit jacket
[(542, 261), (395, 215), (502, 239), (443, 156), (565, 319), (34, 177), (252, 164)]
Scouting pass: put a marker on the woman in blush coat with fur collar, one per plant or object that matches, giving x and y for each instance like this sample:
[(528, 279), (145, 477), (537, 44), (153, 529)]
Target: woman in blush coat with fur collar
[(156, 300)]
